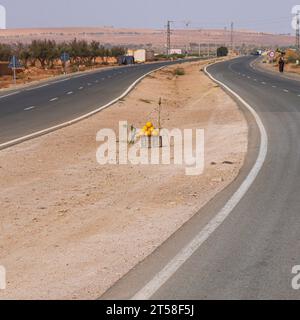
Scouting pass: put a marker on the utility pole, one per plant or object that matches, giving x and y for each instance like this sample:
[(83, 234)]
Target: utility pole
[(231, 36), (187, 24), (225, 36), (298, 31), (199, 50), (169, 37)]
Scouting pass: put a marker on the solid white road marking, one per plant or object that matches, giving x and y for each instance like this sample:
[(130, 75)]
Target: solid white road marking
[(166, 273), (42, 86), (54, 99), (83, 117), (63, 80), (10, 94)]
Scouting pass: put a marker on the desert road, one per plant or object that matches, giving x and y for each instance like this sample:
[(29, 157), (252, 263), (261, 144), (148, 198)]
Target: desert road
[(252, 253), (39, 107)]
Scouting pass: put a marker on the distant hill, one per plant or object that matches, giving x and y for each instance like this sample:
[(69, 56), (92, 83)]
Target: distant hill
[(146, 37)]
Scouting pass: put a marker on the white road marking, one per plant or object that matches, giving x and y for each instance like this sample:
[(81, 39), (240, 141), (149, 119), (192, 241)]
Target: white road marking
[(29, 108), (80, 88), (168, 271), (89, 84), (70, 92), (96, 81), (285, 90), (274, 87), (255, 80), (249, 77), (263, 83), (42, 86), (9, 94), (63, 80), (83, 117), (54, 99)]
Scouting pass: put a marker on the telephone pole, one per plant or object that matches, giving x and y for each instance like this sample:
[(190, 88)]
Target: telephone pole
[(231, 36), (298, 31), (169, 37)]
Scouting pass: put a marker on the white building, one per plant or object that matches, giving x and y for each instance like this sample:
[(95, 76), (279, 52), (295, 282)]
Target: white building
[(141, 55), (176, 51)]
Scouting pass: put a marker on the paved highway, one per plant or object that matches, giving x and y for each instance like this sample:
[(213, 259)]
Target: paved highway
[(36, 108), (252, 253)]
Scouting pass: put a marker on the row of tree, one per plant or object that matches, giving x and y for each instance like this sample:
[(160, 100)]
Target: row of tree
[(48, 51)]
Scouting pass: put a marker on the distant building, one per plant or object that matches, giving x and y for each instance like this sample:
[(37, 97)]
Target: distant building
[(176, 51), (141, 55), (2, 17)]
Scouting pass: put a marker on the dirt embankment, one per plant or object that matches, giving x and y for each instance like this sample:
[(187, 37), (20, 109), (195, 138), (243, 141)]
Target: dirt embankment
[(70, 227)]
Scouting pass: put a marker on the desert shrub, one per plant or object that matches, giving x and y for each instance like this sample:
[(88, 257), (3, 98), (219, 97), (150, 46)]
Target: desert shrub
[(179, 72)]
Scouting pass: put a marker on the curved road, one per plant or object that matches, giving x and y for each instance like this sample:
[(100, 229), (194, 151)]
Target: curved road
[(38, 107), (251, 255)]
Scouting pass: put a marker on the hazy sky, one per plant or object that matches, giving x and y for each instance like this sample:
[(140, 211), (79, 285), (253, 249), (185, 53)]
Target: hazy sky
[(262, 15)]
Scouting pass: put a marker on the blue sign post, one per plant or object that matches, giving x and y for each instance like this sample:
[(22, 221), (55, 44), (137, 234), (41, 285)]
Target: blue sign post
[(65, 57), (14, 64)]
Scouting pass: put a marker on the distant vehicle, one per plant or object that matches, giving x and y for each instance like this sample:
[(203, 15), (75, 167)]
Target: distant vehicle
[(257, 53), (126, 60)]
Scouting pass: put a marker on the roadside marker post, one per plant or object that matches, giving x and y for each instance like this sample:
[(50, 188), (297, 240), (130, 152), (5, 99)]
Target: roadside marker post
[(65, 57), (14, 64)]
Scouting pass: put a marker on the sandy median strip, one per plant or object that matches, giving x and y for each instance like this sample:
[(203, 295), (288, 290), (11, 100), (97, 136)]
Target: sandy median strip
[(70, 228)]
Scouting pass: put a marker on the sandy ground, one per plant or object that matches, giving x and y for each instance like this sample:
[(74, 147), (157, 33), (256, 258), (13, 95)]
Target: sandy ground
[(70, 227)]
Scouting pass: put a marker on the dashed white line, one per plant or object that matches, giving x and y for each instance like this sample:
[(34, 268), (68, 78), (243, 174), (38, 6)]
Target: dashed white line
[(54, 99), (285, 90), (70, 92), (274, 87), (29, 108), (80, 88), (263, 83)]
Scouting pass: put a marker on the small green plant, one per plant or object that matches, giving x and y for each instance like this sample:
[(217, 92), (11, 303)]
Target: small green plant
[(179, 72)]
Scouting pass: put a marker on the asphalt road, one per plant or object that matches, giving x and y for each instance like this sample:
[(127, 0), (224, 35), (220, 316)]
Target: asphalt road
[(32, 109), (251, 255)]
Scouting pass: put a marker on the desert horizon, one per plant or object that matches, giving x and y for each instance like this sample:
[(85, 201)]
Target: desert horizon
[(146, 37)]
